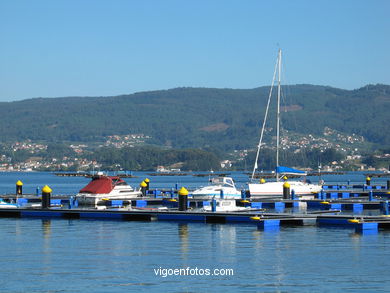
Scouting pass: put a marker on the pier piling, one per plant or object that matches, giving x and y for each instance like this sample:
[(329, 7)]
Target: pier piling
[(19, 187), (46, 195)]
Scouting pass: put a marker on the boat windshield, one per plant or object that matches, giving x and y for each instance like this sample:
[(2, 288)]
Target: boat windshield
[(227, 181)]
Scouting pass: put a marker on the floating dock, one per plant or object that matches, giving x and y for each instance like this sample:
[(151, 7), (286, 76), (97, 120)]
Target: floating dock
[(263, 220), (322, 209)]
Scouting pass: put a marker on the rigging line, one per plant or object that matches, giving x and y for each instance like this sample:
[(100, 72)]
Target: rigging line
[(287, 99), (265, 120)]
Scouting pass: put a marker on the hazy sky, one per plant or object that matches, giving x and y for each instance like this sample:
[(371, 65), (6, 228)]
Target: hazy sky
[(56, 48)]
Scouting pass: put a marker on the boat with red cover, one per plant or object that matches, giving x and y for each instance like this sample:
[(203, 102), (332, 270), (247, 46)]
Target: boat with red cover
[(103, 187)]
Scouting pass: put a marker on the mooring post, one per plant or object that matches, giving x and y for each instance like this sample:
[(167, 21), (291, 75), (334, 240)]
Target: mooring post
[(286, 190), (143, 186), (183, 199), (19, 187), (46, 195), (147, 181)]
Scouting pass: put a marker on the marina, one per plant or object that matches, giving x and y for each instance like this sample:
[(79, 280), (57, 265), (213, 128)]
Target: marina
[(346, 220), (351, 205)]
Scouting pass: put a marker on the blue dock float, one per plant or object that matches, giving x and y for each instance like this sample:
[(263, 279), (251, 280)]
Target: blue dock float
[(268, 225), (279, 206), (357, 208), (339, 221), (366, 227), (263, 221), (330, 206)]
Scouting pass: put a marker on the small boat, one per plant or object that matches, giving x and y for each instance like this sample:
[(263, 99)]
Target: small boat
[(219, 185), (6, 205), (103, 187), (225, 205)]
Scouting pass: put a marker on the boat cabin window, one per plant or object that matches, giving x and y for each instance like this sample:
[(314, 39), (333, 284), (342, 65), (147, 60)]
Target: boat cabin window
[(229, 181)]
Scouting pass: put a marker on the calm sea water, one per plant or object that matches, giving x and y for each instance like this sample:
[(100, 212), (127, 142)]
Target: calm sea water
[(56, 255)]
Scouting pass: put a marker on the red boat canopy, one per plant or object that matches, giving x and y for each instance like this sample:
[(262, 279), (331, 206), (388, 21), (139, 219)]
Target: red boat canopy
[(101, 184)]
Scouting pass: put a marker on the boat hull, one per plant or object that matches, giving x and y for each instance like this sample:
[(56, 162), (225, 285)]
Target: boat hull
[(275, 189), (94, 199), (210, 192)]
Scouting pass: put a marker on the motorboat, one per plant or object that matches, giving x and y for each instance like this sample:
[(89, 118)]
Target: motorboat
[(220, 186), (103, 187), (224, 205), (6, 205), (275, 189)]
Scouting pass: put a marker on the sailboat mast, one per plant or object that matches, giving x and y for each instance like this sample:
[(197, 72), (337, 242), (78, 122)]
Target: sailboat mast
[(265, 120), (278, 112)]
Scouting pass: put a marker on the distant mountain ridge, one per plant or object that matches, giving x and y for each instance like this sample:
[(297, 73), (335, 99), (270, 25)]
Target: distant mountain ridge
[(199, 117)]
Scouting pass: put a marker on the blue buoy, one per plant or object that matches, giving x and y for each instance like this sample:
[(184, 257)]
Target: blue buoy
[(370, 195), (243, 194), (214, 205), (385, 207), (293, 194), (221, 193)]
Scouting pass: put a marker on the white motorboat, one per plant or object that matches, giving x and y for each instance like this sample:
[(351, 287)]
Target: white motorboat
[(218, 186), (276, 188), (6, 205), (104, 187), (224, 205)]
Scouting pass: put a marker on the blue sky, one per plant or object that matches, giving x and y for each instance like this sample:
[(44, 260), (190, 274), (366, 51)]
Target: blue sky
[(57, 48)]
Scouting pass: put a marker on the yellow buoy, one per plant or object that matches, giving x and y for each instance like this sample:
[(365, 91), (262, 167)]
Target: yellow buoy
[(256, 218), (143, 184), (19, 183), (245, 201), (183, 191), (284, 177), (262, 180), (172, 199), (324, 202), (46, 189), (147, 180), (286, 185), (356, 221)]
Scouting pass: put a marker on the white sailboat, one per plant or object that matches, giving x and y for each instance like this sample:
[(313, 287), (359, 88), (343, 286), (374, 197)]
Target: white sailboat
[(275, 188)]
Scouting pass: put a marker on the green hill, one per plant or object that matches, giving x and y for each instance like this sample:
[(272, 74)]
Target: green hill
[(226, 119)]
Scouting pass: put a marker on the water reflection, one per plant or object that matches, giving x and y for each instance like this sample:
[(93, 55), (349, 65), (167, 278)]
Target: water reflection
[(46, 228), (183, 235)]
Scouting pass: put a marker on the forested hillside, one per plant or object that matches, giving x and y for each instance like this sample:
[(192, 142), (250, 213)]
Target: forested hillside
[(226, 119)]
